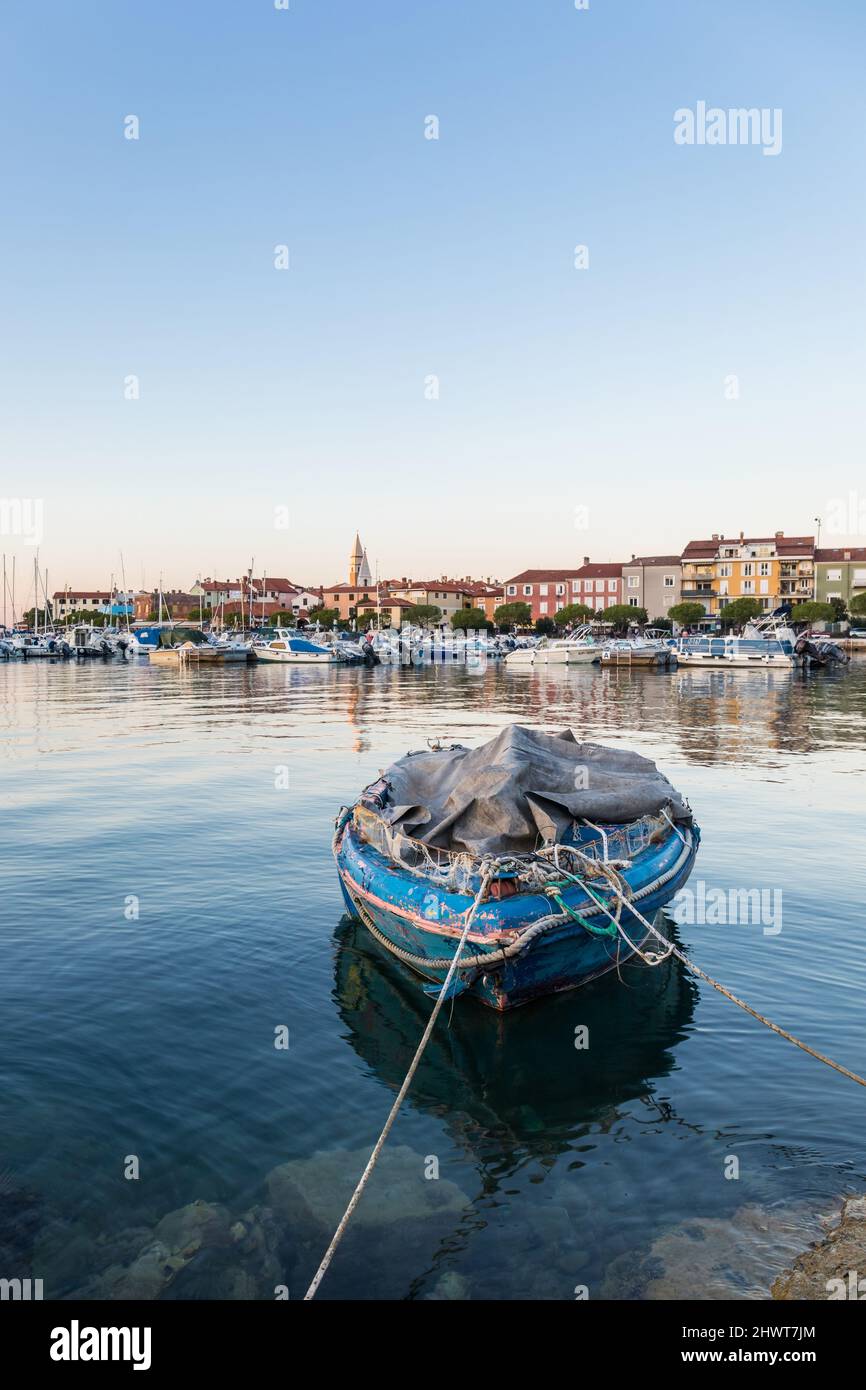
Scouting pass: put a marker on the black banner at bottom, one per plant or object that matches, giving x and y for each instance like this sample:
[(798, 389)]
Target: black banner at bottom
[(159, 1339)]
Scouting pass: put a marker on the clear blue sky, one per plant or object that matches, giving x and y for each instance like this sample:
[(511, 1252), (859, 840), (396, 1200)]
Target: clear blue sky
[(559, 388)]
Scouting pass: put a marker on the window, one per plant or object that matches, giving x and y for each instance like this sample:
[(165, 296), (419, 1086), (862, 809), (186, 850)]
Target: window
[(542, 607), (575, 586), (859, 577), (599, 586), (834, 576), (668, 581), (634, 582), (542, 589), (527, 589), (633, 602), (611, 586), (725, 571), (748, 586), (765, 586), (764, 567), (512, 589), (748, 569), (560, 589)]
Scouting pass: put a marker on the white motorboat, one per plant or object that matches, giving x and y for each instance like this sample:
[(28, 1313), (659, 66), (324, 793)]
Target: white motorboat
[(288, 646), (577, 650), (636, 651), (736, 652)]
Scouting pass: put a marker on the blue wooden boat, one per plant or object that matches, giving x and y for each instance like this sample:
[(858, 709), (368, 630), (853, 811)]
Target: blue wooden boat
[(568, 897)]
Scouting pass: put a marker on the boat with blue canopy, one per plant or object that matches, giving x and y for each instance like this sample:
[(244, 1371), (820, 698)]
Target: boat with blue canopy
[(287, 645), (562, 851)]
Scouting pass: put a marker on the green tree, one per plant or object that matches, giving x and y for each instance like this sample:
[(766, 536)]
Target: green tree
[(857, 606), (545, 627), (622, 615), (664, 624), (509, 615), (326, 616), (572, 613), (687, 613), (474, 618), (740, 610), (813, 613), (839, 610), (422, 613)]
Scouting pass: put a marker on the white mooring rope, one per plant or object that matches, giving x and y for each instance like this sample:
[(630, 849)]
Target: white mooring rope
[(610, 875), (401, 1094)]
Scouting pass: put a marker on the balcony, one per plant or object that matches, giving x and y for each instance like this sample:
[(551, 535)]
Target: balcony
[(698, 593)]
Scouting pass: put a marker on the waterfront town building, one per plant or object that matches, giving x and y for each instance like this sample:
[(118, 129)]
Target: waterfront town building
[(599, 586), (775, 570), (484, 594), (840, 574), (67, 601), (445, 594), (652, 582)]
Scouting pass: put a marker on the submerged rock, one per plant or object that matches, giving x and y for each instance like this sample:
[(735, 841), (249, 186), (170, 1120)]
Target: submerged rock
[(178, 1240), (316, 1191), (21, 1216), (711, 1258), (829, 1270), (391, 1242), (449, 1287)]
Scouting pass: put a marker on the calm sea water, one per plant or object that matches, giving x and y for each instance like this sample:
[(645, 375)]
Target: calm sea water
[(207, 800)]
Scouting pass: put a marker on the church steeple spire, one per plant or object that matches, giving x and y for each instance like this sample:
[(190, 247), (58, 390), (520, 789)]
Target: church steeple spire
[(365, 574), (356, 559)]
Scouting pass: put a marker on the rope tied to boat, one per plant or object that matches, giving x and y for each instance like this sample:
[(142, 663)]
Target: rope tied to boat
[(486, 880), (674, 950)]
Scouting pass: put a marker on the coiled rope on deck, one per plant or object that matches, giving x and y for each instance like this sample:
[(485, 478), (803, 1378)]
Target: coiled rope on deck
[(486, 877)]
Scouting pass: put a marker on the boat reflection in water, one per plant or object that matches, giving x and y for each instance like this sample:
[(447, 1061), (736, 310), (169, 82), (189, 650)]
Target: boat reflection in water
[(530, 1116), (515, 1085)]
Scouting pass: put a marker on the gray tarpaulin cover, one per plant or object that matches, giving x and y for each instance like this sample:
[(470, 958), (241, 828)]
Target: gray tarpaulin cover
[(498, 798)]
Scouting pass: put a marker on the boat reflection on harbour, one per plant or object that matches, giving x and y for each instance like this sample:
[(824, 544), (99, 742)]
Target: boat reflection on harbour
[(515, 1087)]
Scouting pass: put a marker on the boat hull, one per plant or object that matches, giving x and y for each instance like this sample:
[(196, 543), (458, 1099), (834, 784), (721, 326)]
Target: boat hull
[(295, 658), (416, 917), (776, 661)]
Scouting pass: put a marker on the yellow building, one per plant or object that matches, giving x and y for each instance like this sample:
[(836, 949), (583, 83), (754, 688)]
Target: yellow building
[(775, 570)]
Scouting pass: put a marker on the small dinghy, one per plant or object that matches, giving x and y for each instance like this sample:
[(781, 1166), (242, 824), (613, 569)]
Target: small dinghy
[(564, 850)]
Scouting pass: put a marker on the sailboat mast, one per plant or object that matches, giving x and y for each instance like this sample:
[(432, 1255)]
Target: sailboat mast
[(123, 581)]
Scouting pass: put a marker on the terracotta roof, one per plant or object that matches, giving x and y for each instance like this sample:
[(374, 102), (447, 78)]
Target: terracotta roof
[(478, 589), (612, 571), (442, 585), (787, 545), (348, 589), (543, 576), (848, 552), (387, 601), (648, 561)]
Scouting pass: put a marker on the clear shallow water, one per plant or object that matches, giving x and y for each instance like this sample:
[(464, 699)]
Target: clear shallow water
[(155, 1037)]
